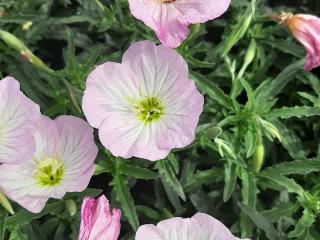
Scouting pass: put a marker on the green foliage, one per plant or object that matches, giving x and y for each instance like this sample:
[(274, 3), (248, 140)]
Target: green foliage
[(254, 163)]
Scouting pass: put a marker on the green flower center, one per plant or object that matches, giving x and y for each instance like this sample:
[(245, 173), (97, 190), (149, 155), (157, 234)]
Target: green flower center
[(149, 109), (49, 172)]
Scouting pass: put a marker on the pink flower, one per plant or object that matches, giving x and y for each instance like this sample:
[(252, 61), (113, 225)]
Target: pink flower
[(200, 226), (306, 29), (97, 222), (18, 121), (146, 105), (170, 18), (62, 162)]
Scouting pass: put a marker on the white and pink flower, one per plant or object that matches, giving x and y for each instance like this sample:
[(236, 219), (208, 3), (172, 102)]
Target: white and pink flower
[(170, 18), (19, 118), (62, 162), (200, 226), (145, 106)]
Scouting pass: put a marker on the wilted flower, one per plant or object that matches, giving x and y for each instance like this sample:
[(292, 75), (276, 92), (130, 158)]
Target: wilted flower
[(306, 29), (200, 226), (19, 117), (63, 162), (170, 18), (146, 105), (97, 222)]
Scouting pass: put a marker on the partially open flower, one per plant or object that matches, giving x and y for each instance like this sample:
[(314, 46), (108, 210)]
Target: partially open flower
[(63, 162), (306, 29), (19, 118), (200, 226), (170, 18), (145, 106), (97, 221)]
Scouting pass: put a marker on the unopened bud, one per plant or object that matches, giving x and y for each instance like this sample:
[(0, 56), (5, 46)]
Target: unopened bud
[(213, 132), (71, 207), (258, 157), (5, 203), (12, 41)]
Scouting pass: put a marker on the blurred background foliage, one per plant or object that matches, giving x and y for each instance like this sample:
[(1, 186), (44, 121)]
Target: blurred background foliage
[(255, 161)]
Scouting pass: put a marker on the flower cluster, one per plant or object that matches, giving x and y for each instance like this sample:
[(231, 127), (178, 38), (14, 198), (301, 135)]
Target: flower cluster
[(143, 107), (41, 158)]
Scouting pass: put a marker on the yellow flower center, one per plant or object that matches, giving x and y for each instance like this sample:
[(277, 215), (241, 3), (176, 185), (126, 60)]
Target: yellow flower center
[(149, 109), (49, 172)]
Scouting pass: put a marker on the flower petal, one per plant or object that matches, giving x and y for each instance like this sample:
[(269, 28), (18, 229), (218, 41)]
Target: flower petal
[(78, 151), (110, 85), (212, 227), (158, 68), (200, 11), (18, 122), (163, 19)]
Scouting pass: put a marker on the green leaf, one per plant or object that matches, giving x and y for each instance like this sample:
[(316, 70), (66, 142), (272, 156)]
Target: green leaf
[(3, 215), (298, 112), (248, 191), (212, 90), (167, 174), (287, 183), (173, 197), (275, 86), (149, 212), (291, 141), (23, 216), (303, 224), (240, 28), (260, 221), (204, 177), (230, 180), (125, 199), (251, 138), (282, 210), (139, 172), (302, 167)]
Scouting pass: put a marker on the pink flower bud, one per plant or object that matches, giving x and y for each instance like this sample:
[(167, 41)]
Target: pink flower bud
[(306, 29), (97, 222)]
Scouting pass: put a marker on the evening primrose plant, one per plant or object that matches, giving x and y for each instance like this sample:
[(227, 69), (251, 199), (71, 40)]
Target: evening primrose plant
[(208, 126)]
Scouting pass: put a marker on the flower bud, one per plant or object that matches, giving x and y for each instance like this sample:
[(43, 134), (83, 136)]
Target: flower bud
[(71, 207), (12, 41), (258, 157), (15, 43), (305, 28), (5, 203)]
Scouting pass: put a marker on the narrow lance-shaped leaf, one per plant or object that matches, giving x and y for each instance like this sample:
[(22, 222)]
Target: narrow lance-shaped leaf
[(230, 180), (302, 167), (298, 112), (167, 175), (212, 90), (139, 172), (275, 86), (261, 222), (125, 199)]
